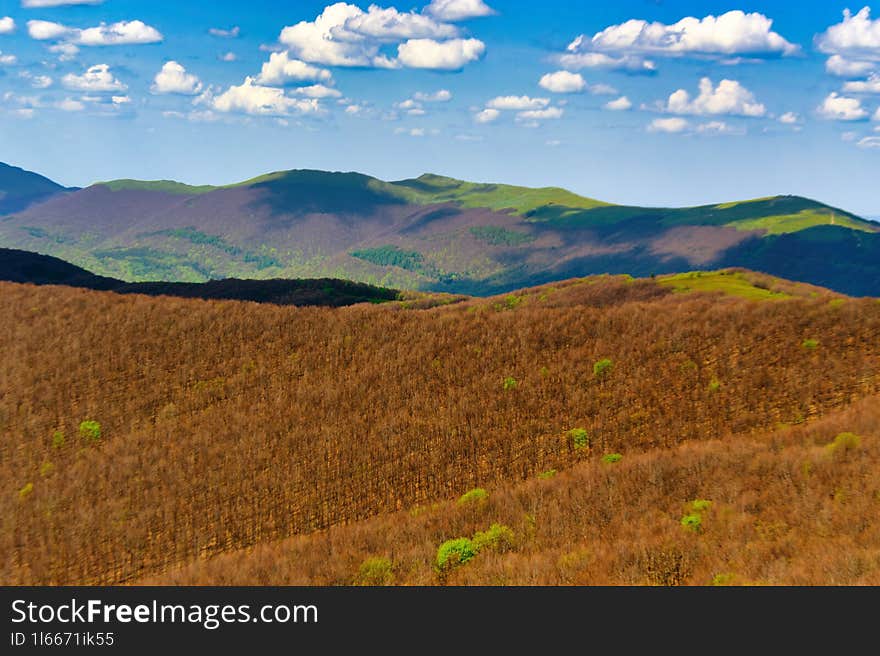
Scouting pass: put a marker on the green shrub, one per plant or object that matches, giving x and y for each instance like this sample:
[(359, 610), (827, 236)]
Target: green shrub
[(722, 579), (90, 431), (602, 368), (26, 491), (700, 505), (810, 344), (497, 536), (57, 440), (714, 385), (509, 383), (550, 473), (453, 553), (611, 458), (844, 443), (46, 469), (376, 571), (693, 522), (579, 437), (473, 496)]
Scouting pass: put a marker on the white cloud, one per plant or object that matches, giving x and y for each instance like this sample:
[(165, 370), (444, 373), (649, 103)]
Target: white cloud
[(412, 132), (449, 55), (575, 60), (173, 78), (65, 51), (518, 103), (869, 142), (443, 95), (318, 91), (70, 105), (26, 112), (602, 90), (789, 118), (842, 67), (389, 25), (231, 33), (96, 78), (38, 81), (672, 125), (729, 97), (257, 100), (540, 114), (121, 100), (354, 110), (281, 69), (487, 115), (871, 85), (7, 60), (122, 33), (876, 116), (857, 36), (37, 4), (228, 56), (456, 10), (7, 25), (717, 128), (734, 32), (619, 105), (840, 108), (563, 82)]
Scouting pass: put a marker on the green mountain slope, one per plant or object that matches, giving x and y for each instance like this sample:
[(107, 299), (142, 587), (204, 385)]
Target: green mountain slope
[(431, 232)]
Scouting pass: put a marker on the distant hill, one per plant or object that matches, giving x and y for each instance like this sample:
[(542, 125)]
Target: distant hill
[(431, 233), (25, 267), (20, 188)]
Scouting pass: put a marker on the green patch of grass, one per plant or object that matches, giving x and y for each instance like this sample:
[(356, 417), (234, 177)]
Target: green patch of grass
[(810, 344), (497, 537), (693, 522), (602, 367), (509, 383), (580, 438), (163, 186), (611, 458), (26, 491), (376, 571), (808, 218), (546, 475), (476, 495), (90, 431), (730, 283)]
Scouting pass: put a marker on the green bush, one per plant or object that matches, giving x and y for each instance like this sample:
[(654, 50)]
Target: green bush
[(700, 505), (714, 385), (376, 571), (90, 430), (722, 579), (579, 437), (611, 458), (602, 368), (453, 553), (550, 473), (497, 536), (693, 522), (46, 469), (26, 491), (509, 383), (810, 344), (57, 440), (473, 496), (844, 443)]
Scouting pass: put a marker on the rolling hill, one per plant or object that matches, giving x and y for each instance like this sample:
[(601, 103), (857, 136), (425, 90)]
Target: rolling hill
[(431, 233), (20, 188), (697, 428)]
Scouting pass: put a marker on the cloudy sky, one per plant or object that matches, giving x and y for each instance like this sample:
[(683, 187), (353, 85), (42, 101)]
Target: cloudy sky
[(668, 102)]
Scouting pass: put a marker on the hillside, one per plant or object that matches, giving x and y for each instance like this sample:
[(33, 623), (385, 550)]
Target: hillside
[(431, 233), (25, 267), (20, 188), (164, 439)]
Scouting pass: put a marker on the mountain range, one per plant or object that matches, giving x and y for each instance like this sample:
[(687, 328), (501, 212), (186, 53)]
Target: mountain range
[(428, 233)]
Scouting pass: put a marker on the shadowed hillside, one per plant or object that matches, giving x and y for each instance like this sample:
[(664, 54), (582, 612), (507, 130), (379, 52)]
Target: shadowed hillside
[(142, 435), (431, 233), (20, 188)]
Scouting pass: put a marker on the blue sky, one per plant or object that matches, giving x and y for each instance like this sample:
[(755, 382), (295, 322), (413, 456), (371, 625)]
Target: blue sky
[(633, 101)]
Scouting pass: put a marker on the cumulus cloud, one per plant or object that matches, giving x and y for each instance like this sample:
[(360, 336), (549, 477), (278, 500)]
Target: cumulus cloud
[(281, 69), (97, 78), (345, 35), (228, 57), (842, 67), (257, 100), (729, 97), (7, 25), (672, 125), (449, 55), (71, 105), (857, 35), (789, 118), (122, 33), (871, 85), (37, 81), (487, 115), (7, 60), (456, 10), (841, 108), (231, 33), (519, 103), (318, 91), (563, 82), (602, 90), (173, 78), (38, 4), (443, 95), (576, 60), (732, 33), (619, 105), (65, 51), (541, 114)]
